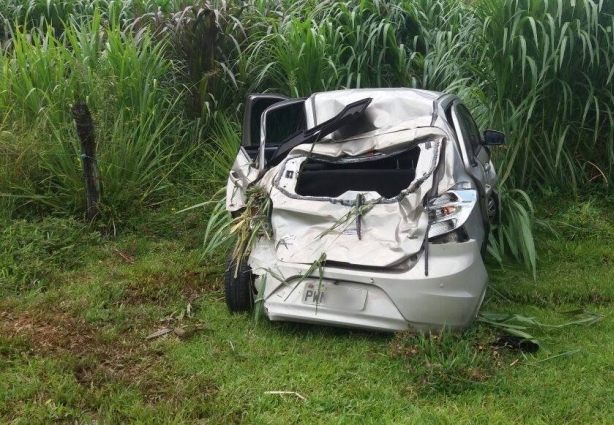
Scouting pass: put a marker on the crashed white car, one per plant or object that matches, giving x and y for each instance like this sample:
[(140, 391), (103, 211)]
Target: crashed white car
[(378, 209)]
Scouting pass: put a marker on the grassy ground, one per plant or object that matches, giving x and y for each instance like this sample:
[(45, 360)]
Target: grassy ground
[(74, 322)]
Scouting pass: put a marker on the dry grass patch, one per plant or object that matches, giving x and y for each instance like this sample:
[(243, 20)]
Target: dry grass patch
[(94, 354)]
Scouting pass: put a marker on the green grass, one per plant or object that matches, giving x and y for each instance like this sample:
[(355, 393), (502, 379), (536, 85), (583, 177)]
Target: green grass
[(166, 91), (75, 348)]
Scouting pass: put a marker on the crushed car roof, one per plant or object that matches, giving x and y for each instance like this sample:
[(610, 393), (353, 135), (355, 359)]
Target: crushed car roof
[(389, 108)]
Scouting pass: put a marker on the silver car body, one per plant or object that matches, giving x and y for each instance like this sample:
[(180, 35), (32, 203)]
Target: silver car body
[(407, 260)]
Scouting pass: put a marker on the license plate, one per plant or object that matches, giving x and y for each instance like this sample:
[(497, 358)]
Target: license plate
[(334, 296)]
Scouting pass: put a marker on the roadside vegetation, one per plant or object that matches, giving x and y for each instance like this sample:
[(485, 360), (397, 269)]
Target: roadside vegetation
[(76, 347), (165, 81)]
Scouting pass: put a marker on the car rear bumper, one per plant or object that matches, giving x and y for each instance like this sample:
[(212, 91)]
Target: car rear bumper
[(450, 296)]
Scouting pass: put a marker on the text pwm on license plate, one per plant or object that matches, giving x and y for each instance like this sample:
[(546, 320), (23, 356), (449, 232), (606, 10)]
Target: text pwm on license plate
[(313, 296), (333, 296)]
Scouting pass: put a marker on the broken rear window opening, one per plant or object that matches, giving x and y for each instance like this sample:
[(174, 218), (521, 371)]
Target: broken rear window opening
[(387, 175)]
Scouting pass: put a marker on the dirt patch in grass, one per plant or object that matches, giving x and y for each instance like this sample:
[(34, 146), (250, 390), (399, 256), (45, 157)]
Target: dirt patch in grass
[(55, 334), (50, 332), (91, 366), (92, 355), (160, 288)]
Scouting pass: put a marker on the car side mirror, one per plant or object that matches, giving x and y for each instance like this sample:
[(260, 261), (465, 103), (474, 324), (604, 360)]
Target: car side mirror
[(493, 138)]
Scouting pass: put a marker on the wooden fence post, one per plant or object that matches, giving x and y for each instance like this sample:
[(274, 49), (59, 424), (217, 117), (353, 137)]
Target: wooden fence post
[(85, 131)]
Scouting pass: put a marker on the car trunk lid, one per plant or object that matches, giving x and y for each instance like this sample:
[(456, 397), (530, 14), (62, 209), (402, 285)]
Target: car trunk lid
[(358, 201)]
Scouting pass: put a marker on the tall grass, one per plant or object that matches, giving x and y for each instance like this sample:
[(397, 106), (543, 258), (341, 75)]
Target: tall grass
[(166, 77), (540, 70), (339, 45), (124, 80)]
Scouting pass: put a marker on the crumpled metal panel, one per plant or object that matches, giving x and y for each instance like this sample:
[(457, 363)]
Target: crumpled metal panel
[(391, 230), (242, 174), (392, 139), (389, 108)]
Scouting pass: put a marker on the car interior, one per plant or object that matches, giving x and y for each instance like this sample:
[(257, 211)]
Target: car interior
[(387, 174)]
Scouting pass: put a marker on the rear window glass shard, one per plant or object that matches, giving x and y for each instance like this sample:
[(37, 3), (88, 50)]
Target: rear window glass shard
[(349, 114)]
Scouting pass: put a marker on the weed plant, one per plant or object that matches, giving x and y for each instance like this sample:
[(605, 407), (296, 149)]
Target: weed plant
[(450, 363), (32, 251)]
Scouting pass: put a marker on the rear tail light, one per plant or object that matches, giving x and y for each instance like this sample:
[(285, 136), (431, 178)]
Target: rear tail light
[(450, 211)]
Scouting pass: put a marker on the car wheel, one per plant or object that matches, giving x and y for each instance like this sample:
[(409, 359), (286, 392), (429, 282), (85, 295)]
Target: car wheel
[(492, 208), (238, 285)]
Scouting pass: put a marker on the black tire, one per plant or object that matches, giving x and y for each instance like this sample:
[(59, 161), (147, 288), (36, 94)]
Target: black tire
[(493, 208), (494, 218), (238, 286)]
